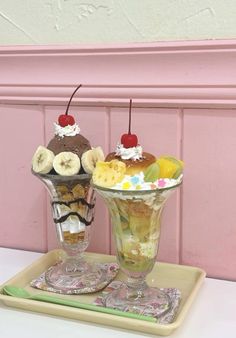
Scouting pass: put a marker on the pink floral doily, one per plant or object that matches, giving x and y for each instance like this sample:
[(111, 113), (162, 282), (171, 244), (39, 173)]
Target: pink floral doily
[(109, 270), (152, 309)]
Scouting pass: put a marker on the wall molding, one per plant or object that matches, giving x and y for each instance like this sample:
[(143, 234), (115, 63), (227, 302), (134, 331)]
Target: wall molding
[(174, 74)]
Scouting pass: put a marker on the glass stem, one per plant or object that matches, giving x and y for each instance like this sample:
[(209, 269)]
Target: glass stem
[(75, 263), (136, 287)]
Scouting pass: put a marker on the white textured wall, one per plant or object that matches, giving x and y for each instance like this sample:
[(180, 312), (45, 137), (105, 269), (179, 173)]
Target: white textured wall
[(114, 21)]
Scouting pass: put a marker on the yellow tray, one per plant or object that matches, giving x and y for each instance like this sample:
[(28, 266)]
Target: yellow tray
[(186, 278)]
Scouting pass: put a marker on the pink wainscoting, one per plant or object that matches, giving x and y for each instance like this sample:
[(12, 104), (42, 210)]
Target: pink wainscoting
[(209, 212), (22, 198), (184, 103)]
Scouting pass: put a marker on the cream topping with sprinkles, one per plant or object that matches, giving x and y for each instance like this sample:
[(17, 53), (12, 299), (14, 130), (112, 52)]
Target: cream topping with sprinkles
[(137, 182)]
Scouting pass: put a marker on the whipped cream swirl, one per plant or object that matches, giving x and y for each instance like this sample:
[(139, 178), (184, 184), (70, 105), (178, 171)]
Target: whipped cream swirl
[(67, 130), (134, 153)]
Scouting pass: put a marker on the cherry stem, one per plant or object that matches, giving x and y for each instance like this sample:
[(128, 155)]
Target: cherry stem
[(68, 105), (130, 107)]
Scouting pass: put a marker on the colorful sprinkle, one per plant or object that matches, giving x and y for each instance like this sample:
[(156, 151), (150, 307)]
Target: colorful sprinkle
[(126, 185), (153, 186), (161, 183), (135, 180)]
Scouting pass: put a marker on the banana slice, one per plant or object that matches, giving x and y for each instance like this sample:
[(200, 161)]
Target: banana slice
[(90, 158), (100, 153), (66, 163), (42, 161), (107, 174)]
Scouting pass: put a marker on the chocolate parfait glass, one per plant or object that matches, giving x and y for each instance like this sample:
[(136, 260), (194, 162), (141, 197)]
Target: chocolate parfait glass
[(65, 168), (72, 204)]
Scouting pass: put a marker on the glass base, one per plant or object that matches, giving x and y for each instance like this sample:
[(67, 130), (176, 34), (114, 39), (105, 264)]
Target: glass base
[(72, 275), (139, 301)]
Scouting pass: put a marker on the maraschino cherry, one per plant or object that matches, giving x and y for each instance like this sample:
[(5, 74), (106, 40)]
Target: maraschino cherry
[(66, 119), (129, 140)]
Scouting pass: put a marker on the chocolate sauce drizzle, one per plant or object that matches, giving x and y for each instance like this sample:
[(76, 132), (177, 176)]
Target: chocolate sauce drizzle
[(73, 213), (81, 200)]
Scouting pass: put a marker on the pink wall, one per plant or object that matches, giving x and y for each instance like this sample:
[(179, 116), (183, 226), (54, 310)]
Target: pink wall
[(184, 104)]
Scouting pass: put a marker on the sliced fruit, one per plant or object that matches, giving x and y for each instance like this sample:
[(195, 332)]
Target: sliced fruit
[(180, 166), (175, 160), (140, 226), (90, 158), (42, 161), (170, 167), (123, 208), (66, 163), (100, 153), (107, 174), (167, 168), (151, 174), (105, 177), (118, 166), (178, 172)]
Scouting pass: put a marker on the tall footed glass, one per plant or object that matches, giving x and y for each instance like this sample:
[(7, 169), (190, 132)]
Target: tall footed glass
[(136, 220), (72, 202)]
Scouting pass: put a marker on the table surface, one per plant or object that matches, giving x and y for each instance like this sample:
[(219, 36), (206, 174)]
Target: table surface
[(212, 315)]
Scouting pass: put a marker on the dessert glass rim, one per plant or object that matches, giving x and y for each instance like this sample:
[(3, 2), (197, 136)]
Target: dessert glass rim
[(64, 177), (136, 191)]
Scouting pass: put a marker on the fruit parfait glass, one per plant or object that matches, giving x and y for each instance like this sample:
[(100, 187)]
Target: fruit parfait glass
[(136, 221), (65, 167), (135, 186)]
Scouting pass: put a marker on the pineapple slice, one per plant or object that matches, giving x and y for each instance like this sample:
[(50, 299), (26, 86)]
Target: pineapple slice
[(107, 174)]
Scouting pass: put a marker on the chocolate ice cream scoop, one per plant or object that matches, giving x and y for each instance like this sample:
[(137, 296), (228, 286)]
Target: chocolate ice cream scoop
[(68, 153), (77, 144)]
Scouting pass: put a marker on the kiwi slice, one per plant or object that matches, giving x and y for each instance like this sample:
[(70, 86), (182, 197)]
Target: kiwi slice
[(151, 174)]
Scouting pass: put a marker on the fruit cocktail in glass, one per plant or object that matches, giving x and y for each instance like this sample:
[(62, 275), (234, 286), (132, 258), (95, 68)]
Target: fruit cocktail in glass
[(135, 186)]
